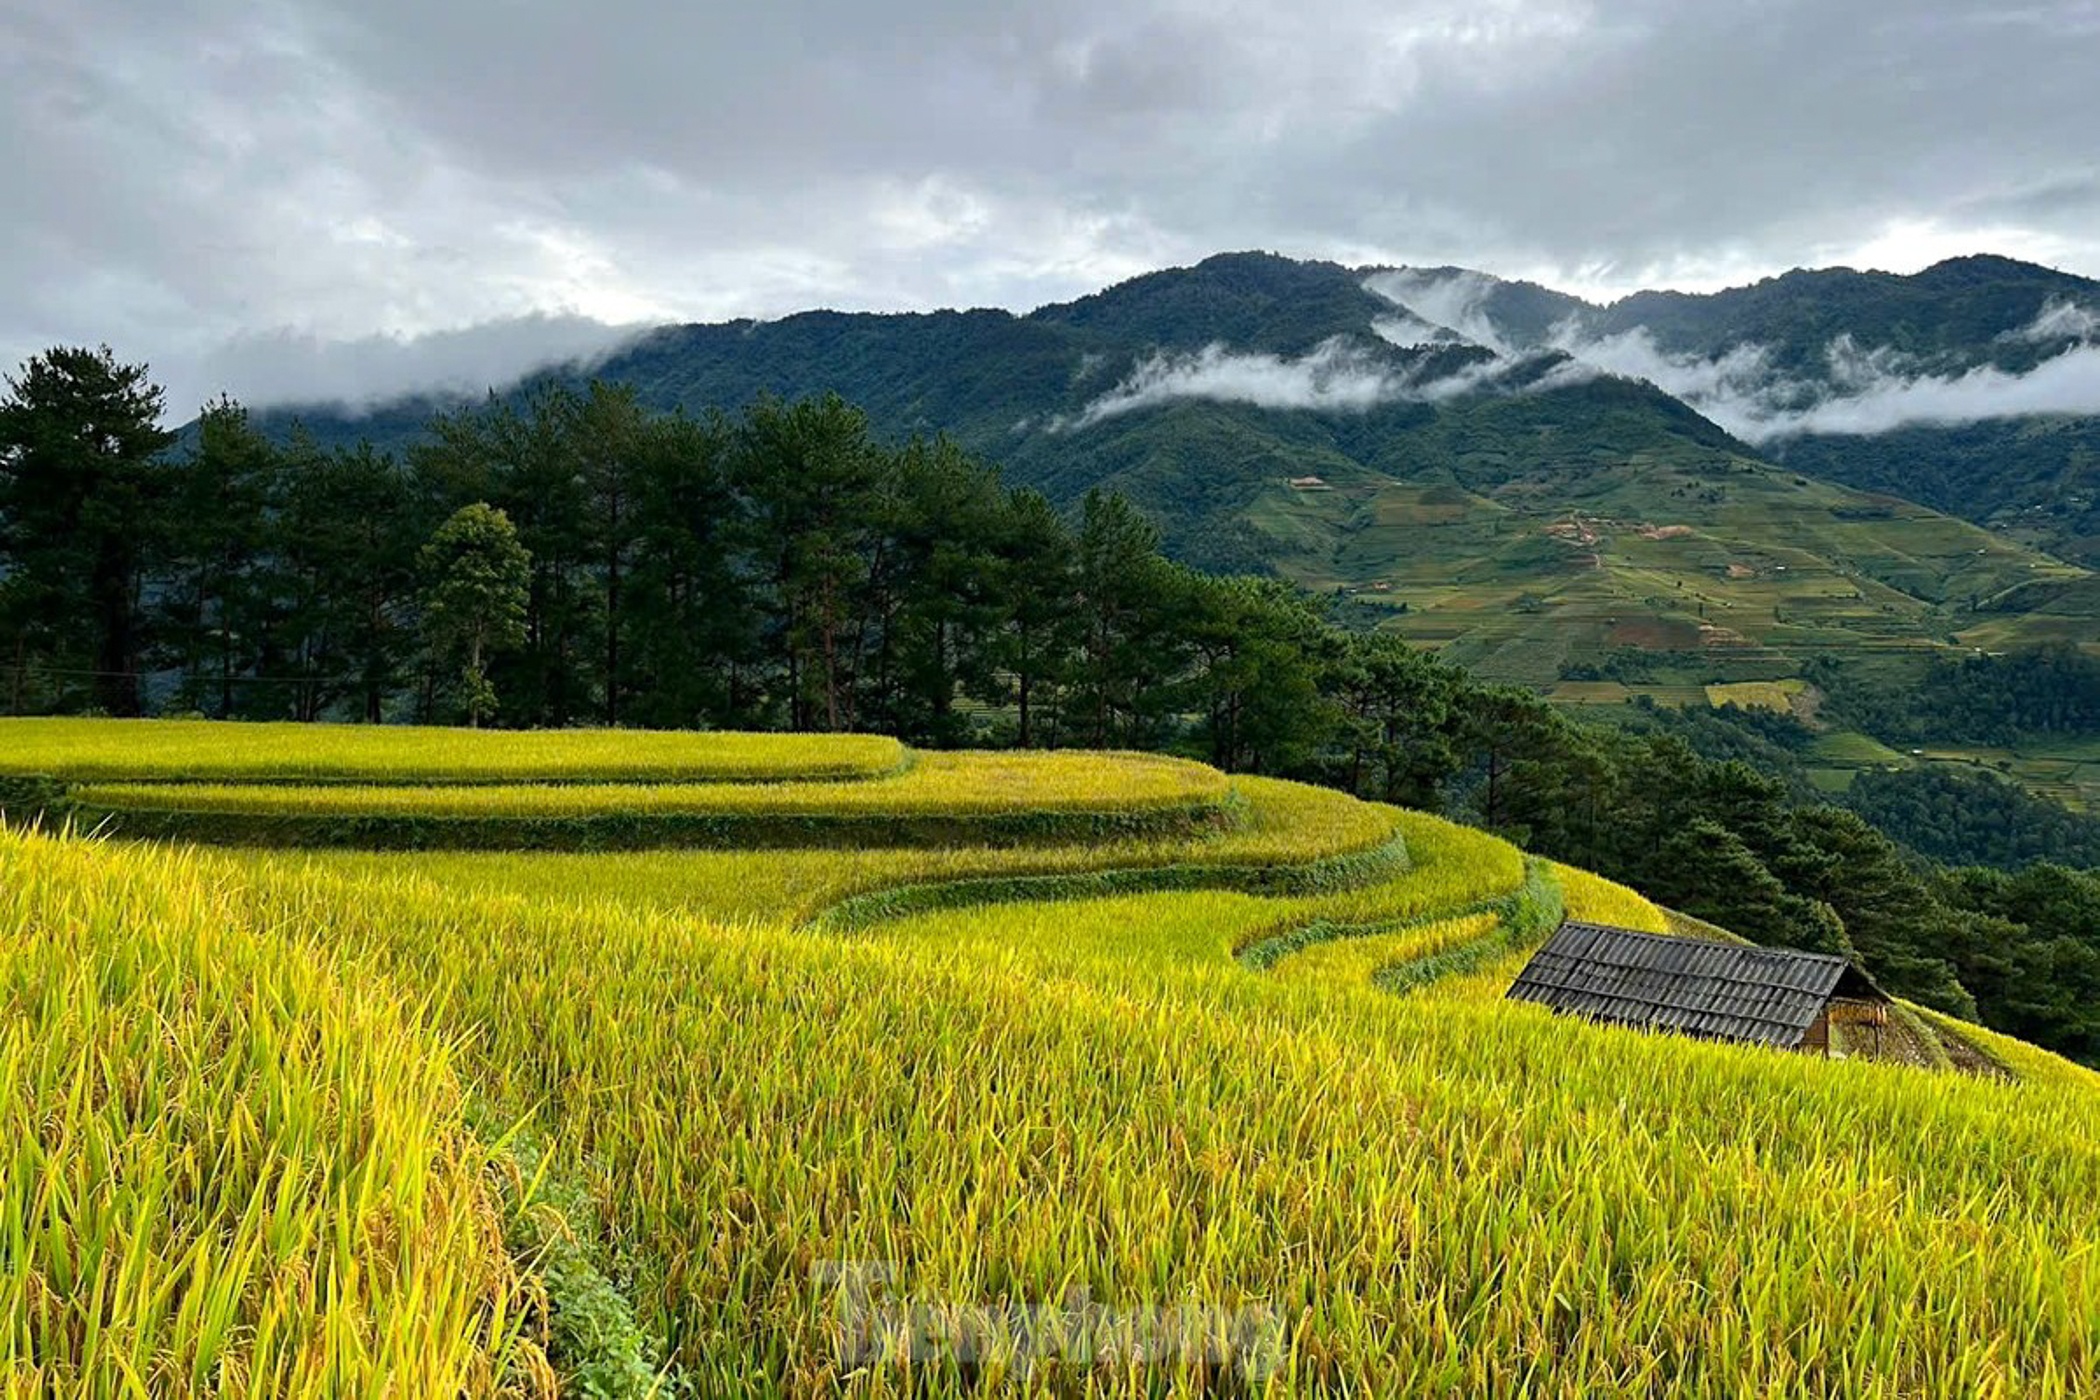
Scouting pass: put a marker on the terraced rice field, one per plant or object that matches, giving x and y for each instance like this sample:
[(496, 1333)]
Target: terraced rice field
[(939, 796), (1775, 696), (947, 784), (198, 751), (1234, 1108)]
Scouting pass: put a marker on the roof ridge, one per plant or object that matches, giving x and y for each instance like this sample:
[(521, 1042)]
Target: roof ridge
[(1684, 940)]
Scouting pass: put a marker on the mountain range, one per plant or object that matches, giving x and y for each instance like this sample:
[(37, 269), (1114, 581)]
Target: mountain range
[(1721, 487)]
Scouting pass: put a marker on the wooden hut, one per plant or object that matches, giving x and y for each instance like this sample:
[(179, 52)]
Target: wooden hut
[(1719, 991)]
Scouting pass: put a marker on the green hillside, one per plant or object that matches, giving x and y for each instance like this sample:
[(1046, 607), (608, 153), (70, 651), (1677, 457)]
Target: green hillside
[(1235, 1107), (2035, 480)]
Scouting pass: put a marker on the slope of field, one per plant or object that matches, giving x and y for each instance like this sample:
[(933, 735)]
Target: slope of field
[(947, 784), (804, 1153), (1286, 837)]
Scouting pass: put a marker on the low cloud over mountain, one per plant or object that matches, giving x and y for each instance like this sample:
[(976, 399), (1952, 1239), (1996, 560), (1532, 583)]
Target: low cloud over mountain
[(1339, 376), (1762, 391)]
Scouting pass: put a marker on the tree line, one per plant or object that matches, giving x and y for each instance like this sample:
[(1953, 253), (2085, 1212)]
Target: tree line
[(569, 557), (1994, 700)]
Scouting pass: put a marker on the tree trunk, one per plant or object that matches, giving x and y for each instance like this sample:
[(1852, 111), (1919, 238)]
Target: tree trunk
[(612, 613), (831, 657), (1026, 684), (225, 669), (118, 681)]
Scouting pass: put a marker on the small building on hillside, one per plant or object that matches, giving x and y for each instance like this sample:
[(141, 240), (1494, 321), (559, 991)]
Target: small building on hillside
[(1718, 991)]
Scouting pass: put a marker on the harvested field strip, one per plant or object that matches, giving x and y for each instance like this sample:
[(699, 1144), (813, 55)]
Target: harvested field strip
[(187, 751)]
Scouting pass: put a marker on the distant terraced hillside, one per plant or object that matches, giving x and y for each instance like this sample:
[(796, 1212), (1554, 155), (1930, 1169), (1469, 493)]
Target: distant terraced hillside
[(946, 1036)]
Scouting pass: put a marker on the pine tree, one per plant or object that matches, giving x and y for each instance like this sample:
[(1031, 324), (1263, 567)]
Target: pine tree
[(79, 490), (215, 602)]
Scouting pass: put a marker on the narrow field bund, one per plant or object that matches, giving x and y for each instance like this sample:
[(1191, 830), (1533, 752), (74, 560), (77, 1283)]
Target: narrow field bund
[(1455, 872), (1352, 846)]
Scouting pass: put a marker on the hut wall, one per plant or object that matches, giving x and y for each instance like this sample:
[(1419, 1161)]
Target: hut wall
[(1817, 1040)]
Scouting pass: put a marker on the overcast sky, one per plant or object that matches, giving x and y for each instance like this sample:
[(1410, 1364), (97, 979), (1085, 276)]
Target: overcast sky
[(248, 194)]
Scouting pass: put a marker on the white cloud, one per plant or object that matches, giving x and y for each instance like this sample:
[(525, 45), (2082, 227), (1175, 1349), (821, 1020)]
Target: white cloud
[(2066, 383), (1739, 390), (2058, 320), (1334, 377), (1409, 331), (1866, 392), (1454, 299), (1337, 377)]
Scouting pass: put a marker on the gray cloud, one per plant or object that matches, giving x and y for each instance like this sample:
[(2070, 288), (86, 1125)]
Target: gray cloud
[(286, 368), (194, 173)]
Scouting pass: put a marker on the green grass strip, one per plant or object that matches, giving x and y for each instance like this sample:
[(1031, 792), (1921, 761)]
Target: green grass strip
[(1261, 954), (595, 1341), (1525, 919), (1265, 952), (1349, 870)]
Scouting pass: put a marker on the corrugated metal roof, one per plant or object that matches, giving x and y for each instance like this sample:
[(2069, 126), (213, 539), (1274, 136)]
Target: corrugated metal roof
[(1721, 991)]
